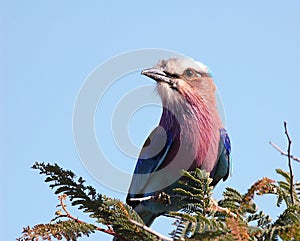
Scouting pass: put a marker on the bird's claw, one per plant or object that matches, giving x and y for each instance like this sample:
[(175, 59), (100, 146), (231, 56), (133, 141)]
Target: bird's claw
[(163, 198)]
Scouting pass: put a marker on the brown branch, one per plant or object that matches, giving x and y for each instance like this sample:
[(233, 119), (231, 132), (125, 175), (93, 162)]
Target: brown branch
[(70, 216), (289, 161), (109, 230), (160, 236)]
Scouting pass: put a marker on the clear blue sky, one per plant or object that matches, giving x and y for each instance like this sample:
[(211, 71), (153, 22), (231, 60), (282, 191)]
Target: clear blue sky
[(48, 48)]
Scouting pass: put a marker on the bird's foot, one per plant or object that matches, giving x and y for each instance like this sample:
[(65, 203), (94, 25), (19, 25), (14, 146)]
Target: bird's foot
[(163, 198)]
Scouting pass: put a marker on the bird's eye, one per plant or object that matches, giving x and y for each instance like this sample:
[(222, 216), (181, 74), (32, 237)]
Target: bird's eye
[(190, 73)]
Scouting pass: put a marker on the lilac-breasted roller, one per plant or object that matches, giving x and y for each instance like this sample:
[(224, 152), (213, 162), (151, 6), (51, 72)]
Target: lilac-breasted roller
[(190, 132)]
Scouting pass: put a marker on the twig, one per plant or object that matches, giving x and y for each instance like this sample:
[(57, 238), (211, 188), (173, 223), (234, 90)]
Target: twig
[(160, 236), (216, 208), (283, 153), (289, 162), (70, 216)]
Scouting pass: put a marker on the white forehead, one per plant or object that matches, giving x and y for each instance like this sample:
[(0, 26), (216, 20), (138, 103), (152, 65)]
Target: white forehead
[(178, 65)]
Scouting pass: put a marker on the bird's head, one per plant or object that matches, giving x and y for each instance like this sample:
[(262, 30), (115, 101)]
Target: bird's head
[(182, 80)]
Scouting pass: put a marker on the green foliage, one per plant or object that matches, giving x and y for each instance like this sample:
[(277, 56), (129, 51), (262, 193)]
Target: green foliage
[(116, 215), (234, 217), (65, 182), (284, 192)]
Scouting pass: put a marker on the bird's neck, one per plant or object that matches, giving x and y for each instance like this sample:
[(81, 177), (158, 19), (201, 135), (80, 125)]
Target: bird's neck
[(197, 126), (189, 117)]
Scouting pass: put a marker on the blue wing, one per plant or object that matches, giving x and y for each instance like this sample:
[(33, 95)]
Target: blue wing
[(151, 158), (223, 165)]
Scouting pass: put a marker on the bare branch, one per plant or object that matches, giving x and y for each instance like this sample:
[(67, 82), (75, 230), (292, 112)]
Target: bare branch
[(282, 152), (160, 236), (289, 161)]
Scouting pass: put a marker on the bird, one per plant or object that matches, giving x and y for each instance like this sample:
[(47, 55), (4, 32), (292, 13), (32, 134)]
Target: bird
[(190, 132)]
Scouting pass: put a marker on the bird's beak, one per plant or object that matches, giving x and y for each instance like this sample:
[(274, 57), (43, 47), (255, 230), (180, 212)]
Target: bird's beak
[(158, 75)]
